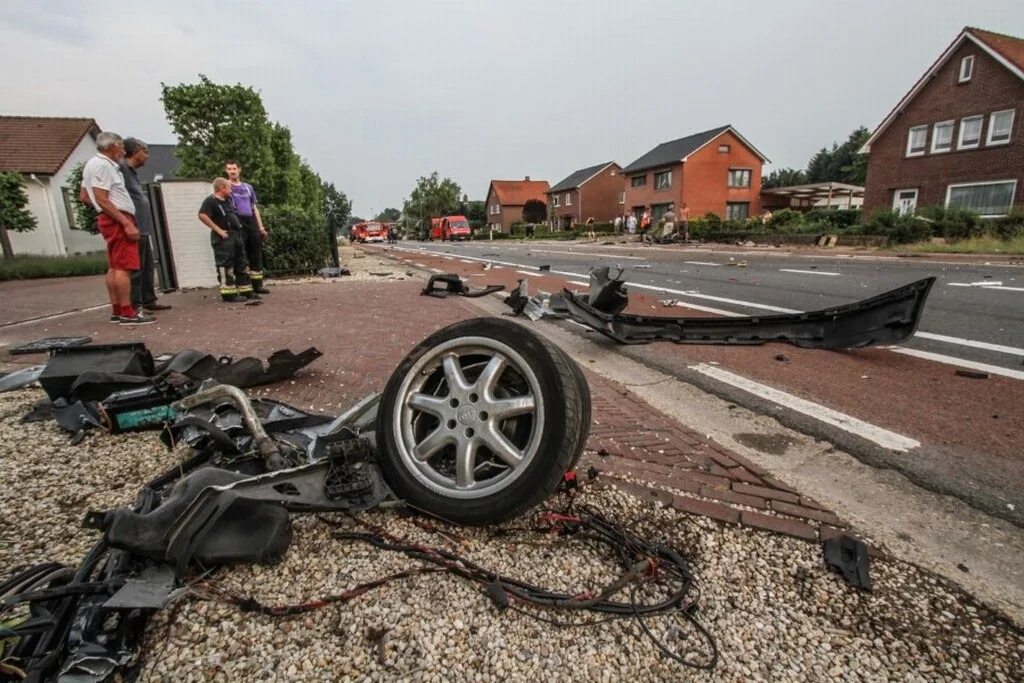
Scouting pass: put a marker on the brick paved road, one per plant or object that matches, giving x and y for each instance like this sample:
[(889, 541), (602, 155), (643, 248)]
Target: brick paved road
[(364, 330)]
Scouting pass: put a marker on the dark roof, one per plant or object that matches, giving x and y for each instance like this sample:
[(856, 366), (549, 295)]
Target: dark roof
[(162, 162), (518, 192), (577, 178), (40, 144), (668, 153)]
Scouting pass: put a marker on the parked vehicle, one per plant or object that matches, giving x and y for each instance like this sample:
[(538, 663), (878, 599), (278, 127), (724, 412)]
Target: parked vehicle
[(435, 232), (455, 228), (369, 232)]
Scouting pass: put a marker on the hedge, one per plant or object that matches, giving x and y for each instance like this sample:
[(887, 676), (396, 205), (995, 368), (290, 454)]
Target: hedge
[(33, 267), (296, 242)]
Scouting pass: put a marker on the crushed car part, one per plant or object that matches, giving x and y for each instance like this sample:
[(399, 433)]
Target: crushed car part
[(48, 344), (481, 420), (518, 297), (143, 408), (242, 373), (77, 416), (888, 318), (68, 364), (331, 271), (443, 284), (848, 556), (20, 379)]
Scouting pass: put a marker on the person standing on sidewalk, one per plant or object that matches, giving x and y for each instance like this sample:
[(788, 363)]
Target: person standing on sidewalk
[(590, 229), (136, 154), (226, 237), (669, 229), (684, 216), (243, 198), (631, 224), (103, 187)]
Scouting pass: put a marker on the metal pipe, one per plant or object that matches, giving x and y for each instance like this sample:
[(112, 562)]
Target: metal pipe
[(266, 446)]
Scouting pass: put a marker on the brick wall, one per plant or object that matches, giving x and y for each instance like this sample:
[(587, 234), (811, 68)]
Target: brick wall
[(600, 196), (992, 88)]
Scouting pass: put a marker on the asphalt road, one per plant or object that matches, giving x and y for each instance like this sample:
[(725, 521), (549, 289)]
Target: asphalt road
[(975, 311)]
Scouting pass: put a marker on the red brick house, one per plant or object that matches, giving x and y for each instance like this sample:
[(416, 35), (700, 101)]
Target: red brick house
[(593, 192), (955, 139), (716, 171), (506, 198)]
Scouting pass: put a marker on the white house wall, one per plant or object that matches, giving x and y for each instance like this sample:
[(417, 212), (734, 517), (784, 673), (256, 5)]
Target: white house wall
[(75, 241), (44, 240), (190, 240)]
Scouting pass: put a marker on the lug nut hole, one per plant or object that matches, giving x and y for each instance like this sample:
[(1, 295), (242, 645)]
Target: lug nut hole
[(451, 424), (454, 403), (473, 398), (484, 415), (470, 432)]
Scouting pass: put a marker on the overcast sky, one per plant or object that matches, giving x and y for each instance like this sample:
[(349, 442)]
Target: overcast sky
[(377, 94)]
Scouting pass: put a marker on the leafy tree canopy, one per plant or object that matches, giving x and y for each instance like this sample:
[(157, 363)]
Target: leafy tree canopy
[(388, 215), (432, 197), (534, 211), (14, 213)]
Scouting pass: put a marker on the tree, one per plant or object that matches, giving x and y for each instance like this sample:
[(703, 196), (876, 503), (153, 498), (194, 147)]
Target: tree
[(842, 163), (337, 208), (534, 211), (388, 215), (85, 214), (784, 177), (14, 215), (432, 197)]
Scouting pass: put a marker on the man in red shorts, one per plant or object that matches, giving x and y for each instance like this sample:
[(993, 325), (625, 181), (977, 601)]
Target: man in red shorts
[(103, 186)]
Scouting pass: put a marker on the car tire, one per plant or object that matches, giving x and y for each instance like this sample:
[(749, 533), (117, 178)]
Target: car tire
[(479, 423)]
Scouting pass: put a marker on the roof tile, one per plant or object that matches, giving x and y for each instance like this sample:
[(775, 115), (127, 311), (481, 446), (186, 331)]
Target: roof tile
[(40, 144), (518, 192)]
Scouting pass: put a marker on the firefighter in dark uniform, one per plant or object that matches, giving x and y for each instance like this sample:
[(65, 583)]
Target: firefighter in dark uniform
[(243, 198), (227, 239)]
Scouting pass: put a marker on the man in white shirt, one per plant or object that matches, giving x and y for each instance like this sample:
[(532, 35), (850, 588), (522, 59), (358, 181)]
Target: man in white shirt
[(103, 187)]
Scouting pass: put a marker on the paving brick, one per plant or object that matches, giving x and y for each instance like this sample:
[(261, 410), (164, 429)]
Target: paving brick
[(811, 503), (765, 492), (721, 458), (640, 491), (805, 512), (706, 508), (778, 484), (733, 497), (783, 525), (744, 475)]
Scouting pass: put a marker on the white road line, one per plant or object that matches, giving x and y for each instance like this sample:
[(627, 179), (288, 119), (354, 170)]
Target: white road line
[(420, 265), (435, 270), (959, 362), (702, 263), (848, 423), (1012, 350), (43, 318), (695, 295), (806, 272), (464, 260), (579, 253), (448, 258), (580, 283), (528, 272), (982, 285)]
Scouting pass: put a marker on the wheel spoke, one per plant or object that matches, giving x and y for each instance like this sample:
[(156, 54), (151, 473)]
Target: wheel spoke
[(502, 447), (465, 463), (510, 407), (489, 377), (438, 439), (453, 373), (428, 404)]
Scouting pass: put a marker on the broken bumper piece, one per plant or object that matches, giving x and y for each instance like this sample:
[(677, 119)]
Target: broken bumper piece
[(888, 318), (449, 283)]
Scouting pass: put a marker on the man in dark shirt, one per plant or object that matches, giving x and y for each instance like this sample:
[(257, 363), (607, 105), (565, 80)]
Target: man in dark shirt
[(143, 295), (226, 238)]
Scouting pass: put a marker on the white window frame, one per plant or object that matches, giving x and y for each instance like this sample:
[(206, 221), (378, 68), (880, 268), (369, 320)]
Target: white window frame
[(556, 200), (729, 178), (960, 136), (641, 178), (724, 149), (495, 209), (568, 198), (896, 197), (729, 205), (658, 173), (622, 198), (949, 191), (910, 141), (935, 136), (991, 127), (967, 62)]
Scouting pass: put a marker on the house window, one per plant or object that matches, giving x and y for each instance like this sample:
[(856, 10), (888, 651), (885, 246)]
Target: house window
[(904, 202), (638, 181), (966, 69), (970, 132), (663, 180), (568, 199), (988, 199), (916, 141), (737, 211), (69, 207), (555, 199), (739, 177), (495, 209), (1000, 124), (942, 136), (723, 149), (622, 198)]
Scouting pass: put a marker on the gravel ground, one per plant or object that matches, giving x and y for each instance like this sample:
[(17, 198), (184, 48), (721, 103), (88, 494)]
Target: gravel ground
[(776, 613), (364, 265)]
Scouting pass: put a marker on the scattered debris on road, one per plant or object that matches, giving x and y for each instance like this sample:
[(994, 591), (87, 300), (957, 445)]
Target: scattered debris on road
[(972, 374), (48, 344), (443, 284), (849, 557)]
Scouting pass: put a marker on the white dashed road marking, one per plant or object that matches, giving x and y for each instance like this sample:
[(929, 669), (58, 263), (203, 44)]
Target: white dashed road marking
[(959, 362), (806, 272)]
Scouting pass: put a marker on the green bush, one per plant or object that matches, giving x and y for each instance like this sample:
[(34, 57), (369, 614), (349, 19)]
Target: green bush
[(1009, 227), (784, 217), (712, 218), (296, 241), (32, 267), (953, 223), (838, 218)]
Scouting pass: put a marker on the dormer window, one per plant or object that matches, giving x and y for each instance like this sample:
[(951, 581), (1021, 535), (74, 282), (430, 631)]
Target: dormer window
[(966, 69)]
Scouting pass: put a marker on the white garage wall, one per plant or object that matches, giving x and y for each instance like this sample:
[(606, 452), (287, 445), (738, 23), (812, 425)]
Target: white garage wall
[(44, 240), (190, 239)]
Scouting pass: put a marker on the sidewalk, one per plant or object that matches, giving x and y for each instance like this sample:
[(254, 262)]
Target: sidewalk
[(364, 328)]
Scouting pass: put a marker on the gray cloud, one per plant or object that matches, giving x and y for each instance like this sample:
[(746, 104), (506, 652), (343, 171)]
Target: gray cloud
[(377, 94)]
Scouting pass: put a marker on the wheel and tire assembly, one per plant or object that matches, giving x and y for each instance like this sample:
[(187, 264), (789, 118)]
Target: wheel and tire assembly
[(481, 420)]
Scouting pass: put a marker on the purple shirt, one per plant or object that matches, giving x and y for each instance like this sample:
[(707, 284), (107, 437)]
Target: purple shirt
[(243, 197)]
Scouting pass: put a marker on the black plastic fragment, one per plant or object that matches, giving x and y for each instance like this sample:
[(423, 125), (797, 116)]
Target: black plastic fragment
[(496, 592), (849, 557), (443, 284), (48, 344)]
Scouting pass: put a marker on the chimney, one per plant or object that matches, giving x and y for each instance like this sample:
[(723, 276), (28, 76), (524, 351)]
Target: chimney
[(527, 177)]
